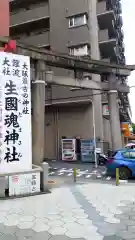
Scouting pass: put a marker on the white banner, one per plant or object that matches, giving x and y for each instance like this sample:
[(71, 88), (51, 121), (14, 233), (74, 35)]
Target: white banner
[(15, 113)]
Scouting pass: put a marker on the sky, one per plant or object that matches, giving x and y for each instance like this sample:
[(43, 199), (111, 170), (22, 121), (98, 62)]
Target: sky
[(128, 13)]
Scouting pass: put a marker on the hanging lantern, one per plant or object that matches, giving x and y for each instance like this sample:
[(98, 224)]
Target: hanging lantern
[(10, 46)]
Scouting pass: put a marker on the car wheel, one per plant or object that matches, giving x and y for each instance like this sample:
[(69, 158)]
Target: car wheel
[(124, 173)]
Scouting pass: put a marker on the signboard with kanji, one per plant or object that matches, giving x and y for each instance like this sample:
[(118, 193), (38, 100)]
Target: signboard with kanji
[(15, 113), (106, 110), (24, 184)]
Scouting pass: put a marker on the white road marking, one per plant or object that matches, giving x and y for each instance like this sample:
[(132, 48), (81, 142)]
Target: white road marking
[(99, 176), (51, 173), (62, 170), (82, 172), (61, 173), (79, 175), (88, 176), (66, 171), (71, 169), (108, 178), (70, 174)]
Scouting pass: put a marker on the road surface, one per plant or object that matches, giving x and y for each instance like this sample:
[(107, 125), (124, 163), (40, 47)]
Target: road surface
[(87, 171)]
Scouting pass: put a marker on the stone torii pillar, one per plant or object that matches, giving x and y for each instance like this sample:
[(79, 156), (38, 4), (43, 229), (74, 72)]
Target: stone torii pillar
[(114, 114), (95, 54), (38, 113)]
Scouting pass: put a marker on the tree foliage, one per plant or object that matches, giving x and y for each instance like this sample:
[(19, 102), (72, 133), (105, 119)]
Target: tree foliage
[(133, 126)]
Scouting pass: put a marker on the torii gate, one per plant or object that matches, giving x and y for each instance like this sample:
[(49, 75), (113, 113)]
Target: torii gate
[(41, 76), (77, 64)]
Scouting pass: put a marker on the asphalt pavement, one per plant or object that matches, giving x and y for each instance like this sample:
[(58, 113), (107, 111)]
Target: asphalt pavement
[(84, 170)]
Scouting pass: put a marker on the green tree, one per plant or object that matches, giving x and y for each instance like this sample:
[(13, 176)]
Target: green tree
[(133, 126)]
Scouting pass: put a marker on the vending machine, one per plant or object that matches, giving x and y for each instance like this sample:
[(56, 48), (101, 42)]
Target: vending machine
[(87, 150), (68, 147)]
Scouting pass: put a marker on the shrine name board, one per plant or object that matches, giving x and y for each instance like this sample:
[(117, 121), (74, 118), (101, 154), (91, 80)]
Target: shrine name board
[(24, 184), (15, 113)]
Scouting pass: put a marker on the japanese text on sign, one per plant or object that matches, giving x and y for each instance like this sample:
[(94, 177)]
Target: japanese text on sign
[(15, 113), (24, 184)]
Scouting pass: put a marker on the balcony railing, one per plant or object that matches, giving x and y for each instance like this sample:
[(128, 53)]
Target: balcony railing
[(108, 5), (103, 7), (29, 15), (104, 36), (38, 39)]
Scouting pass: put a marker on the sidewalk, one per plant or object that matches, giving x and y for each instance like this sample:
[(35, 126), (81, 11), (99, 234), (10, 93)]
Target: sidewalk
[(90, 211)]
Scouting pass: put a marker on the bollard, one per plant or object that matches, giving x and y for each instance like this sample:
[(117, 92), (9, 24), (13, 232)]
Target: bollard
[(117, 177), (44, 178), (75, 174)]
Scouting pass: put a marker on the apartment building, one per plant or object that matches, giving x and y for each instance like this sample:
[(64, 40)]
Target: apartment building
[(86, 28), (4, 16)]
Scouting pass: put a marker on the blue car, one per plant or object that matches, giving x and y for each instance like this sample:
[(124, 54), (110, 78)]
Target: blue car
[(123, 159)]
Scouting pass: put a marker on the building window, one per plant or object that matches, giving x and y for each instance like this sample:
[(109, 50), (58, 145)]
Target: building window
[(77, 20), (82, 50)]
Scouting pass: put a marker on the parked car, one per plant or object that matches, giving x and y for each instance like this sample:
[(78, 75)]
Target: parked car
[(123, 159), (130, 145)]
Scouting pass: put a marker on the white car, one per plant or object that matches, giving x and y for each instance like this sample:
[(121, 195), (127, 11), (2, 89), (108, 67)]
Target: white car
[(130, 146)]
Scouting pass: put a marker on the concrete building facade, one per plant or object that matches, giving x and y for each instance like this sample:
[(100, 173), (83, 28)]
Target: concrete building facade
[(4, 18), (86, 28)]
